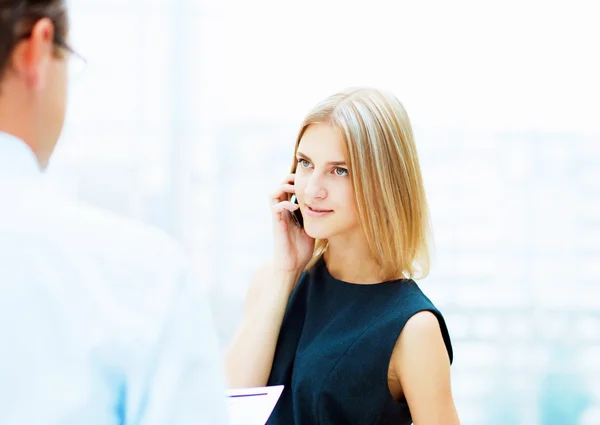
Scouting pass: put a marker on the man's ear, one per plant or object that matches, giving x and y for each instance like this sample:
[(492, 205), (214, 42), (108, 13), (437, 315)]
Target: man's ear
[(33, 56)]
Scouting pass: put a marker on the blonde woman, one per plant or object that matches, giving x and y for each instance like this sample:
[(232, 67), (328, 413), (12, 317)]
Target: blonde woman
[(336, 316)]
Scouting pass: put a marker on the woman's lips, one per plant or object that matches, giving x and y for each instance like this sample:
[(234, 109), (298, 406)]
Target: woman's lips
[(317, 212)]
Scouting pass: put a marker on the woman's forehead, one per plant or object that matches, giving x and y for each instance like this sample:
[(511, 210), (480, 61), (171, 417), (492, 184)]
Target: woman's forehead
[(322, 142)]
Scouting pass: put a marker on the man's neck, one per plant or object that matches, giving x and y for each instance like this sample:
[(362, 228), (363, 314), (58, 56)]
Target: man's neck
[(12, 122)]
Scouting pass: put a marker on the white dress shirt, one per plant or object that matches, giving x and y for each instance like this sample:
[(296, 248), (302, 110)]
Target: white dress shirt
[(99, 320)]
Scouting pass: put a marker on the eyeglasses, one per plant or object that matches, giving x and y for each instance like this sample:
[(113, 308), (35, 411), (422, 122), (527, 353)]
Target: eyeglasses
[(76, 63)]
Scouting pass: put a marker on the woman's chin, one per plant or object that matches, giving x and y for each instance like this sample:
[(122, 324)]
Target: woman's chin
[(322, 230), (317, 231)]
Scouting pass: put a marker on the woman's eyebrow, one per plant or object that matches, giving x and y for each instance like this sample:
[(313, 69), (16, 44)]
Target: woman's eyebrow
[(334, 163)]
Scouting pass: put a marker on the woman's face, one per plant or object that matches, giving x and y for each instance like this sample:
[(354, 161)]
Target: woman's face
[(323, 184)]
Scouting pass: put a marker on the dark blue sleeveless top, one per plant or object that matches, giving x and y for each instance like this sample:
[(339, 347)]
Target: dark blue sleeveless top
[(334, 350)]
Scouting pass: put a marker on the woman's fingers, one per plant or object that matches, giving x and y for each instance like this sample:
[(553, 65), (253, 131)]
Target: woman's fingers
[(284, 205), (282, 190)]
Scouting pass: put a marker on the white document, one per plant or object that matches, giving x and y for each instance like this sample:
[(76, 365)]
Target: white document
[(252, 406)]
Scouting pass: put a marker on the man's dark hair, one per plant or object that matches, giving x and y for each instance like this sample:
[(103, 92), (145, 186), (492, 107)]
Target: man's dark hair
[(17, 18)]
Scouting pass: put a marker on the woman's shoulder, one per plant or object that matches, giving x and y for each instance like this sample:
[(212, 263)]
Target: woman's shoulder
[(422, 316), (430, 323)]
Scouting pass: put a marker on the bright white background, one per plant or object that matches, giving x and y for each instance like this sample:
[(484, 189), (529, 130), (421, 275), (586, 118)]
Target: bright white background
[(186, 116)]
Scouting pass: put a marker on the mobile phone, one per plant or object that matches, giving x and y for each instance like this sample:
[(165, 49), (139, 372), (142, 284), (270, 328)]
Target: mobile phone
[(296, 215)]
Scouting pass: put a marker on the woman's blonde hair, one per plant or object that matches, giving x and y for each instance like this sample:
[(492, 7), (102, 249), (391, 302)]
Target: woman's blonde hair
[(386, 176)]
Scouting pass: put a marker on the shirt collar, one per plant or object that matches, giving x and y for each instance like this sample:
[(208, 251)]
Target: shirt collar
[(16, 158)]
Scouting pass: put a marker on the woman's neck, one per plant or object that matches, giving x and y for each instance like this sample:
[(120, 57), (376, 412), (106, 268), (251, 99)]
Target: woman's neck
[(351, 261)]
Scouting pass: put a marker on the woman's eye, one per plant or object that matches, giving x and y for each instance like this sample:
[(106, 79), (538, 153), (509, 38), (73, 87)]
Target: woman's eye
[(303, 163), (341, 171)]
